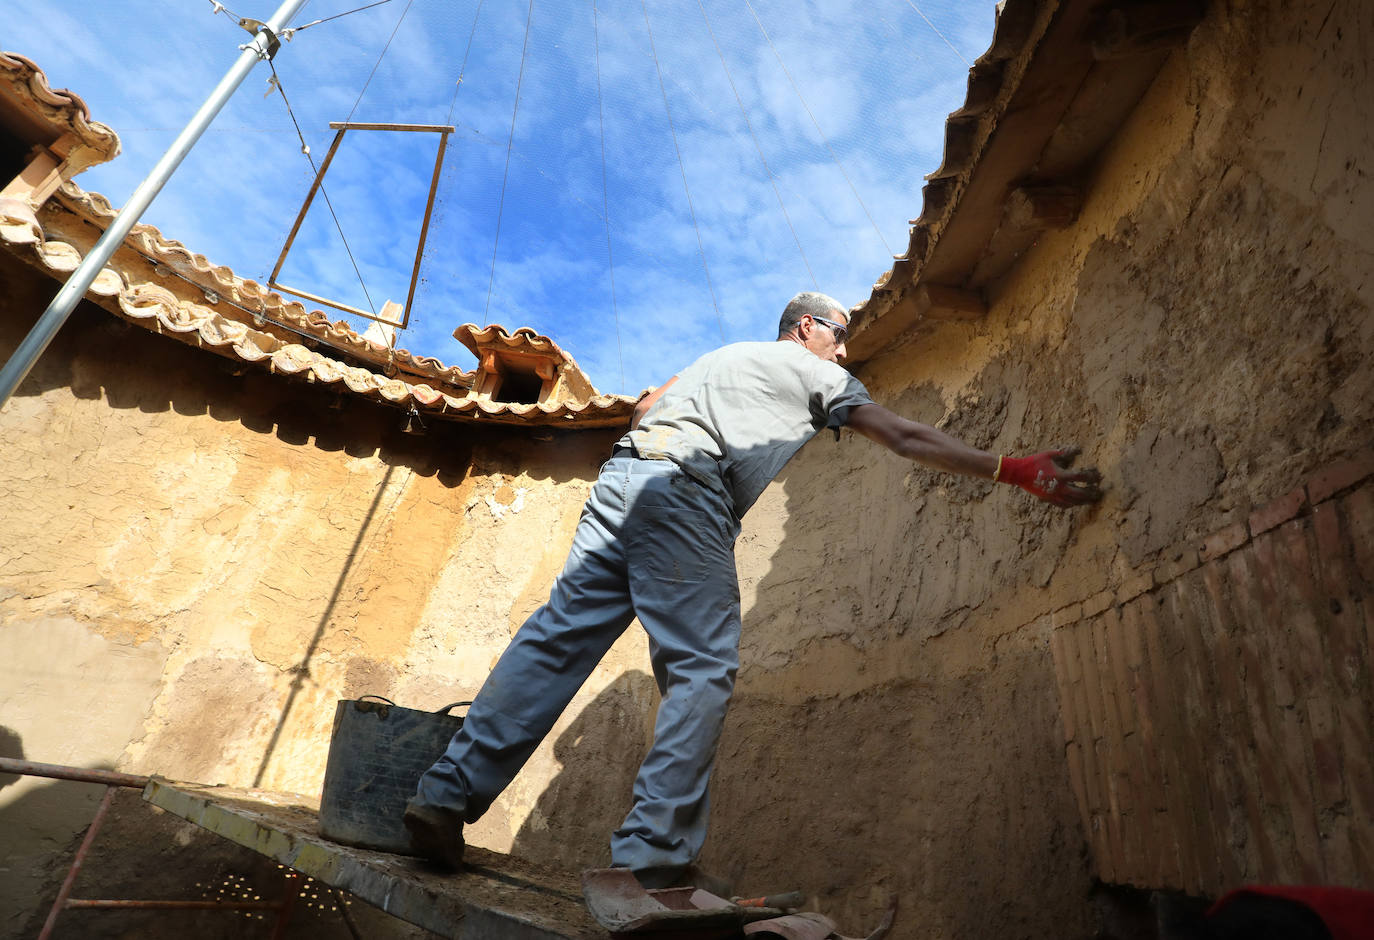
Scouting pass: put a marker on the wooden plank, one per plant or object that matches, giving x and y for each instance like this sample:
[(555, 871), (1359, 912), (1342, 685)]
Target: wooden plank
[(362, 126), (494, 896)]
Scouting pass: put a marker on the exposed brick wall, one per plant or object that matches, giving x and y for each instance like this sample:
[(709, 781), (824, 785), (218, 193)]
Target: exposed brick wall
[(1217, 709)]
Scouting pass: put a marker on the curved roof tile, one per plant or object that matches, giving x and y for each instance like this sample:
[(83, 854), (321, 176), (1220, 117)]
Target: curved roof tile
[(95, 142)]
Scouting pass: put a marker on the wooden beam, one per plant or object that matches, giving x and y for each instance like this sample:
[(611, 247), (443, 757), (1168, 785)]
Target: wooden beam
[(37, 181), (1041, 207), (359, 126), (941, 302), (1130, 28)]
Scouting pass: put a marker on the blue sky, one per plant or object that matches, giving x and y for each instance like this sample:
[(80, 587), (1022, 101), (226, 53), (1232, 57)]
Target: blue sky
[(803, 153)]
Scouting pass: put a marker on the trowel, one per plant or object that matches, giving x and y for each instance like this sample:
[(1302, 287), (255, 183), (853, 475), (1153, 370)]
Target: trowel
[(623, 906)]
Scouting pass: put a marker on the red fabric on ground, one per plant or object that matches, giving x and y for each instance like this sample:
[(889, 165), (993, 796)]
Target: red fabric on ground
[(1347, 912)]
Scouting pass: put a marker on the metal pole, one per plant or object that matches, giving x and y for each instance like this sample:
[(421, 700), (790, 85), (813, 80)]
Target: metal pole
[(32, 346), (66, 889), (111, 778)]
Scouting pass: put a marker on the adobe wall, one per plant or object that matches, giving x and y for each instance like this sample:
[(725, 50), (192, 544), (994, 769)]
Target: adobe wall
[(194, 565), (198, 558), (1204, 332)]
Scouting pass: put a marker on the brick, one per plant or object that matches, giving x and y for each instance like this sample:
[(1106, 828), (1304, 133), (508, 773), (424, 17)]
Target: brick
[(1111, 814), (1178, 562), (1135, 586), (1066, 615), (1084, 733), (1118, 667), (1117, 762), (1344, 631), (1137, 811), (1073, 756), (1223, 541), (1278, 511), (1164, 693), (1061, 678), (1264, 714), (1196, 739), (1304, 610), (1160, 849), (1234, 722), (1340, 475), (1358, 508), (1098, 603), (1091, 684), (1294, 744)]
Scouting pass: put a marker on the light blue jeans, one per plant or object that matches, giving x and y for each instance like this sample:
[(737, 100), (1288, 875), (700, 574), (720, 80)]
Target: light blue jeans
[(653, 543)]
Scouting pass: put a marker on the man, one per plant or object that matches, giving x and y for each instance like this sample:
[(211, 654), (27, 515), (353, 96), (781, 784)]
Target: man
[(656, 541)]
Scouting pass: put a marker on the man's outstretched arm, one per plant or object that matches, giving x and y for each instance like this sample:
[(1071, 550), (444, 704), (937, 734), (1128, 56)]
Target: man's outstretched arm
[(1047, 476)]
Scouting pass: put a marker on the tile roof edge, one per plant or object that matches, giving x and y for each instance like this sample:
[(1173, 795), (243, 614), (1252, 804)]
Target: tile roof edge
[(160, 309), (992, 81), (96, 142), (197, 269)]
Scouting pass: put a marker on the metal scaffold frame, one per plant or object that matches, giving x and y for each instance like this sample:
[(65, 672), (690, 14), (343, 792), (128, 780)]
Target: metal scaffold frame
[(113, 781)]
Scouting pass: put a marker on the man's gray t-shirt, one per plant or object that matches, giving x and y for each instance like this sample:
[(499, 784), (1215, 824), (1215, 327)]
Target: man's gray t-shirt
[(736, 415)]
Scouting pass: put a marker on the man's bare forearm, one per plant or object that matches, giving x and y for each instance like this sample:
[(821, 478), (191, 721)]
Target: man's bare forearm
[(921, 442)]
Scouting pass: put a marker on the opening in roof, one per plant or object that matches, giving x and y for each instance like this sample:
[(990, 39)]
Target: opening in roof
[(519, 388)]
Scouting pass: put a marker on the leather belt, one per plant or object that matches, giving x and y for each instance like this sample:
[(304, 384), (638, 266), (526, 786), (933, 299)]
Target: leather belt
[(624, 450)]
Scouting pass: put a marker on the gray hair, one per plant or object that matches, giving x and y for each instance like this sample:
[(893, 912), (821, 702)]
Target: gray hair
[(808, 303)]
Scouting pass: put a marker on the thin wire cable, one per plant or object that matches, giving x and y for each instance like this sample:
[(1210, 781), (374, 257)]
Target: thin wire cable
[(701, 249), (816, 125), (745, 114), (501, 205), (463, 70), (305, 149), (605, 196), (370, 76), (216, 7), (912, 4), (297, 29), (560, 180), (441, 204)]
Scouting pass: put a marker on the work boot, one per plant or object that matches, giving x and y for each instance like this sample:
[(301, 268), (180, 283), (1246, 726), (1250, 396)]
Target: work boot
[(434, 835)]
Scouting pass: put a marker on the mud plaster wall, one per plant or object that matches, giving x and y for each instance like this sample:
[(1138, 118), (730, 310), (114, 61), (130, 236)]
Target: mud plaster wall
[(178, 541), (196, 564), (1204, 331)]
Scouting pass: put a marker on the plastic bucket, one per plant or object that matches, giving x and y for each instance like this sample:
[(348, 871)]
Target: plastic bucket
[(377, 752)]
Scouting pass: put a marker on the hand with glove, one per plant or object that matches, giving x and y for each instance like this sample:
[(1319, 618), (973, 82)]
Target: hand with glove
[(1048, 477)]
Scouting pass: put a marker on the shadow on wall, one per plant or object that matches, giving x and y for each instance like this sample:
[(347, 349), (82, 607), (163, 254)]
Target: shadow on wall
[(301, 672), (943, 787), (600, 752), (38, 819)]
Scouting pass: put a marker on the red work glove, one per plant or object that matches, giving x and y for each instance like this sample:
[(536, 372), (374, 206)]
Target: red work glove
[(1047, 477)]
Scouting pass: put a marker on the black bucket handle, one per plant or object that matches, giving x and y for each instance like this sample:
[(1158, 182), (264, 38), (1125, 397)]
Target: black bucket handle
[(437, 711)]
